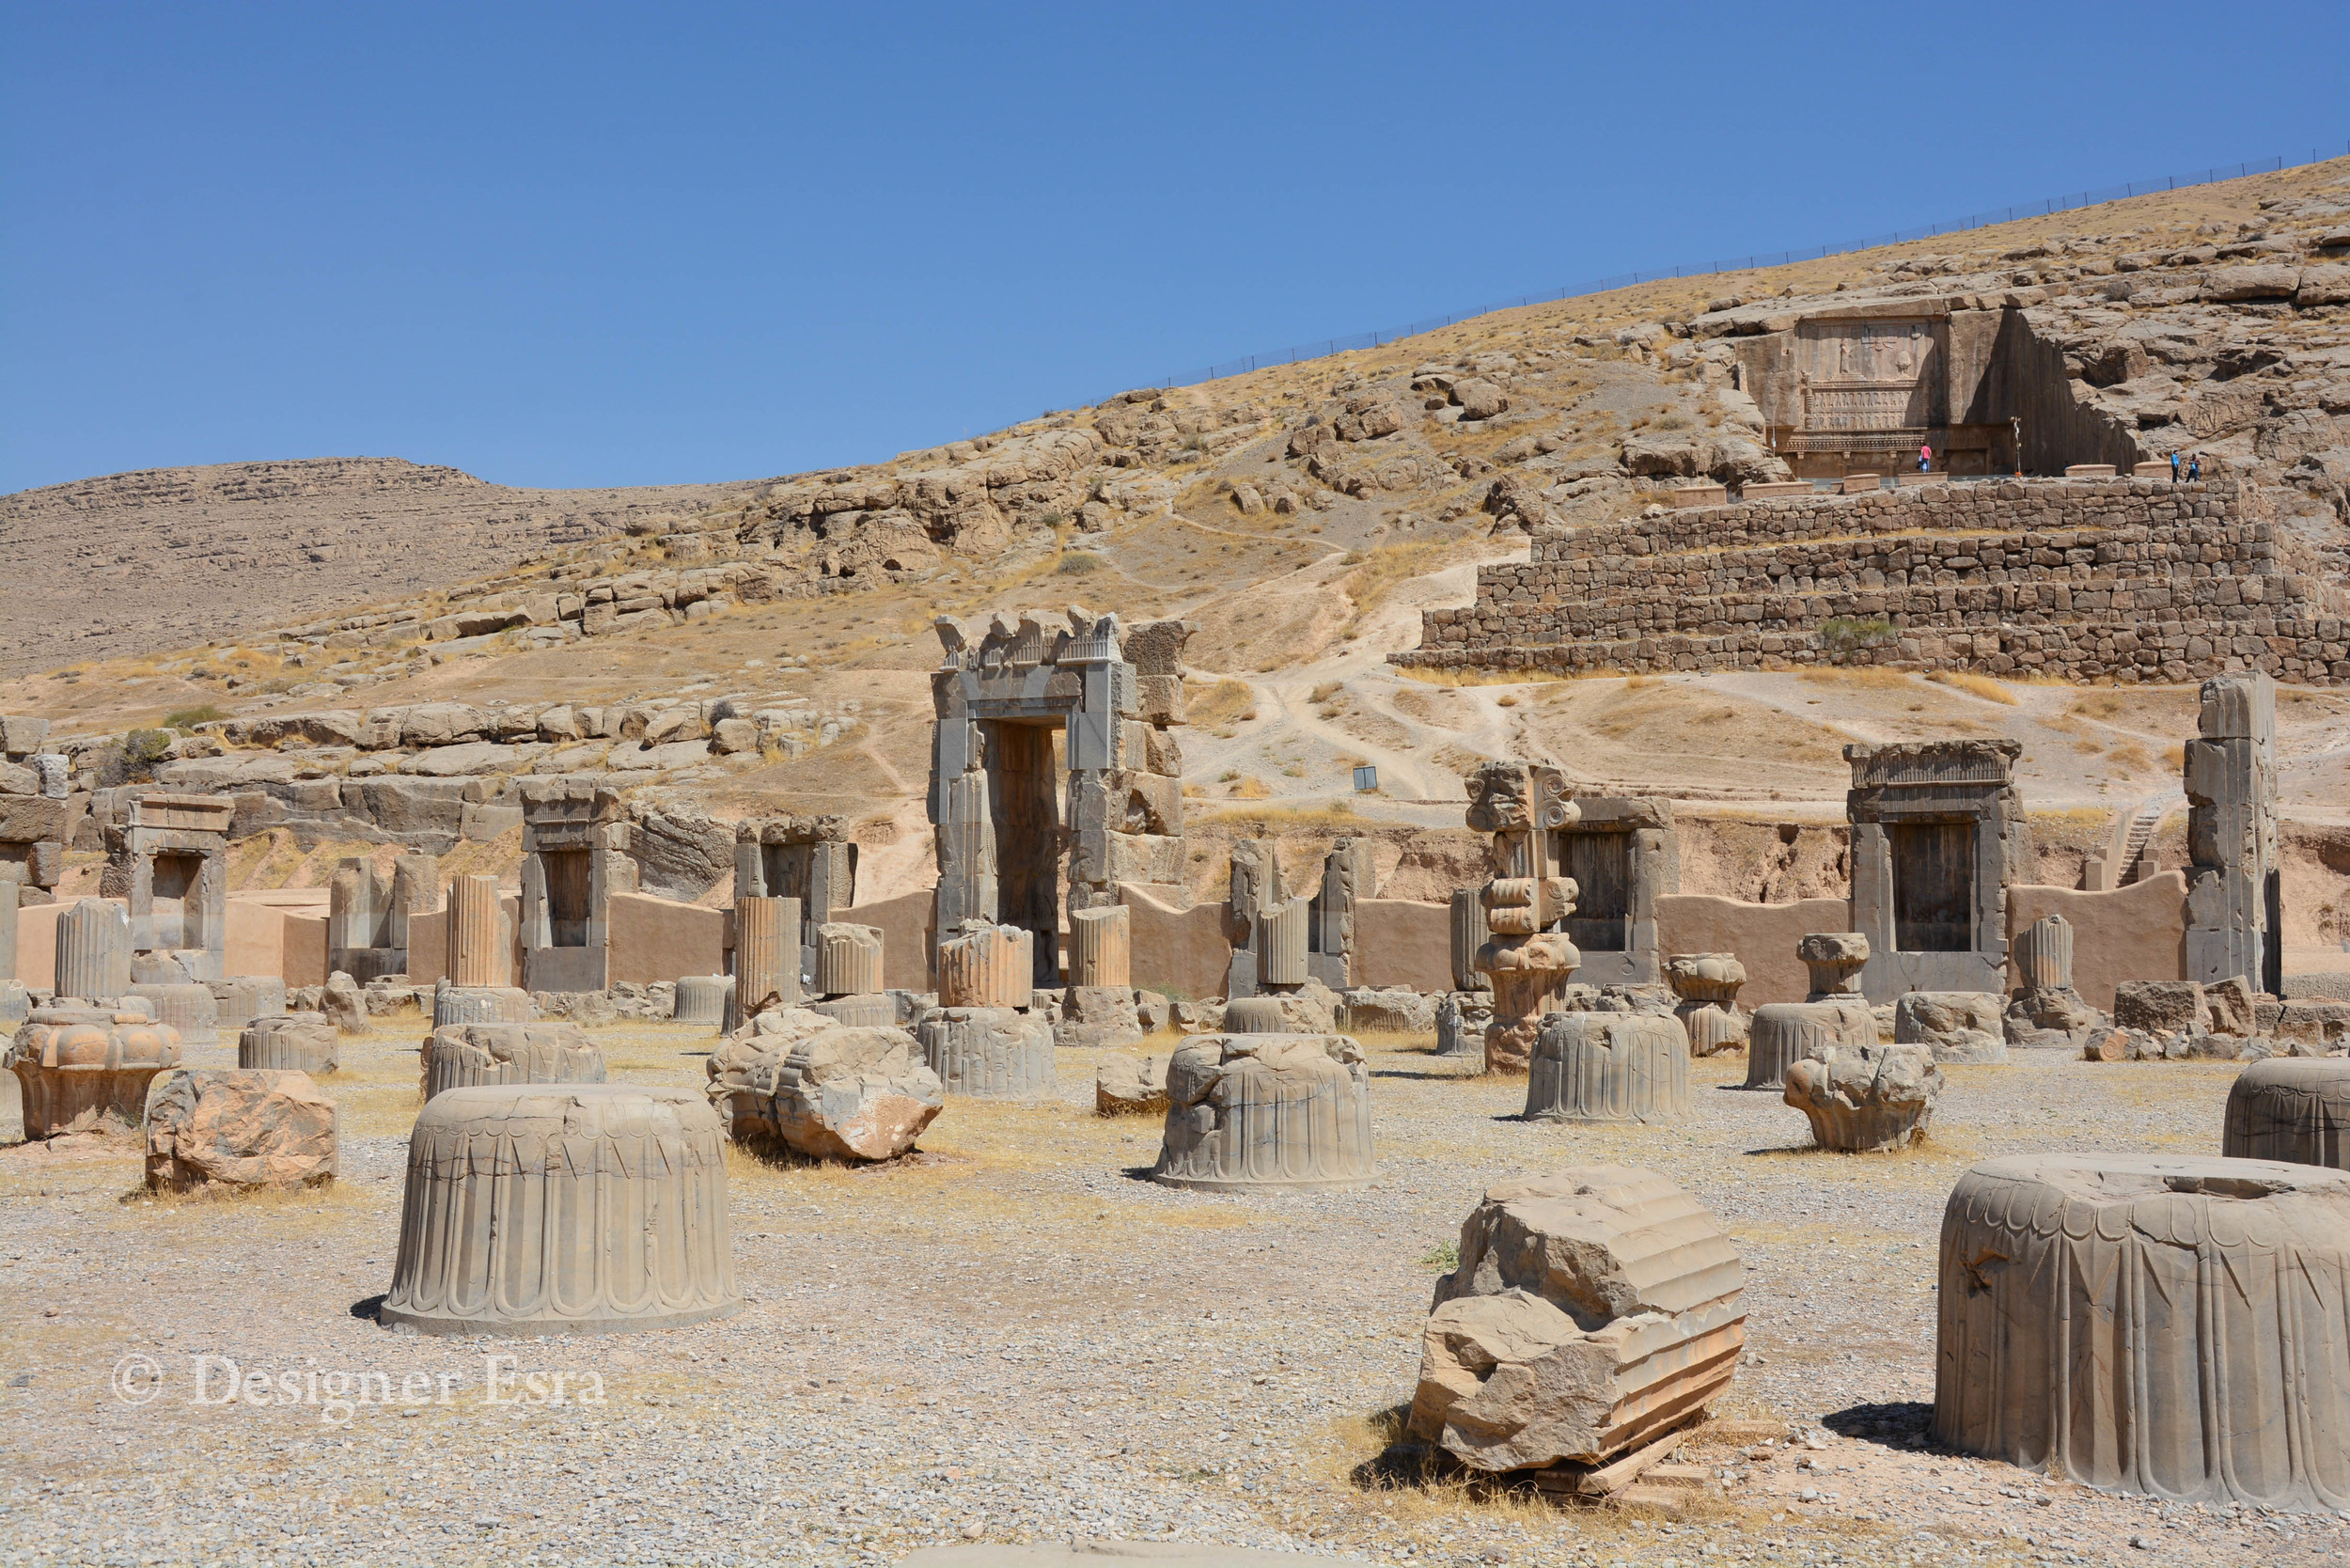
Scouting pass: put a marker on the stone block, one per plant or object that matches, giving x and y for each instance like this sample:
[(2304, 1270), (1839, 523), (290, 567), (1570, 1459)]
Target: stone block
[(1461, 1018), (187, 1007), (848, 959), (1089, 1017), (1788, 1032), (1592, 1310), (86, 1069), (1131, 1086), (1608, 1067), (1101, 946), (988, 967), (480, 1004), (620, 1190), (2292, 1109), (93, 951), (1866, 1097), (2123, 1321), (998, 1053), (1955, 1026), (793, 1078), (1389, 1010), (2161, 1007), (303, 1042), (247, 1130), (1267, 1111), (238, 999), (463, 1056)]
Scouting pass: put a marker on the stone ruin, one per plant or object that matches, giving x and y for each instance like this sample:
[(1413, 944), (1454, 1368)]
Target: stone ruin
[(1834, 1014), (84, 1061), (2296, 1110), (1282, 942), (1030, 713), (464, 1056), (1100, 1006), (1864, 1098), (2046, 1012), (620, 1189), (1952, 1025), (1267, 1111), (170, 863), (849, 976), (1526, 899), (367, 923), (795, 1082), (574, 858), (1938, 835), (2212, 1372), (985, 1036), (806, 865), (1592, 1311), (1622, 854), (1707, 985), (478, 973), (1608, 1067), (306, 1042), (2234, 900), (246, 1130), (34, 805)]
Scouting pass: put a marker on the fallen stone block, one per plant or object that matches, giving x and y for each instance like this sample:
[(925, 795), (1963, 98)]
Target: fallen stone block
[(1131, 1086), (1956, 1026), (1867, 1097), (794, 1079), (245, 1129), (460, 1056)]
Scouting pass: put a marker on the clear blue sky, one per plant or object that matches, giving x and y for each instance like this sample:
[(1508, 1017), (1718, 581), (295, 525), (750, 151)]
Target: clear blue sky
[(592, 245)]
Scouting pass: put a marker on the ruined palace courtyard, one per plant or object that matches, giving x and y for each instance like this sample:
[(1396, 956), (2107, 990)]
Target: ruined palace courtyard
[(1012, 1337)]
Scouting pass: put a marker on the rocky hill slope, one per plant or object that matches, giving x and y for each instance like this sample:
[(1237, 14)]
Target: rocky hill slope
[(766, 646), (170, 557)]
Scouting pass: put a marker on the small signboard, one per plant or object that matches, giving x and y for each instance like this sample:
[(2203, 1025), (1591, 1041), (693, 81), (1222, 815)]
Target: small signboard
[(1366, 779)]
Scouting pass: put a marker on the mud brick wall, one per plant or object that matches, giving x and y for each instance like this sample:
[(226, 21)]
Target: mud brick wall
[(2080, 580)]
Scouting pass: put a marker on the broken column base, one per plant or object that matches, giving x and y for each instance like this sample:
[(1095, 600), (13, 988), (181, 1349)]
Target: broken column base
[(998, 1053), (871, 1011), (1093, 1016)]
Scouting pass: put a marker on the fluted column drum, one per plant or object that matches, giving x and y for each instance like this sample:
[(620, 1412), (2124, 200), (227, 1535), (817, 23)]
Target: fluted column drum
[(461, 1056), (187, 1007), (583, 1209), (1784, 1032), (1607, 1067), (2160, 1324), (1101, 946), (93, 951), (2294, 1108), (1283, 1111), (1255, 1015), (1469, 933), (990, 1052), (478, 945), (83, 1068), (1708, 985), (766, 956), (481, 1004), (702, 999), (848, 959), (290, 1043), (241, 998), (2043, 954), (1282, 943), (992, 966)]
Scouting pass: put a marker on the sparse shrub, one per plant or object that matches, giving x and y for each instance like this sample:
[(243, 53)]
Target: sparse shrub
[(188, 718), (1076, 563), (1324, 692), (1672, 419)]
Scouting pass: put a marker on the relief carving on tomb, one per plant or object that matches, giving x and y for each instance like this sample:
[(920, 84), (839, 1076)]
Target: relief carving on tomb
[(1870, 375)]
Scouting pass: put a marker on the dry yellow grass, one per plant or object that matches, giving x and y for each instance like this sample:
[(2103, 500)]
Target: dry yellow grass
[(1974, 685), (1869, 676), (1480, 677), (1223, 702)]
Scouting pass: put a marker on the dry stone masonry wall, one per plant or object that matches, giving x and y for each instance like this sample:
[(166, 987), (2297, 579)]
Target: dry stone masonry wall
[(2076, 579)]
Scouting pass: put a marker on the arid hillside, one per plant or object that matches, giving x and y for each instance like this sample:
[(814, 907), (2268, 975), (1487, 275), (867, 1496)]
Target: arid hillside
[(171, 557)]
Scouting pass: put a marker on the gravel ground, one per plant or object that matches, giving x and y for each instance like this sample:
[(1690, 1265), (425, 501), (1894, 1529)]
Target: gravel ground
[(1011, 1337)]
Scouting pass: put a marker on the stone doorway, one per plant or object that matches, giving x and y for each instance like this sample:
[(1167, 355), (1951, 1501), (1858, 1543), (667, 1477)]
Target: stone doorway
[(1934, 885)]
